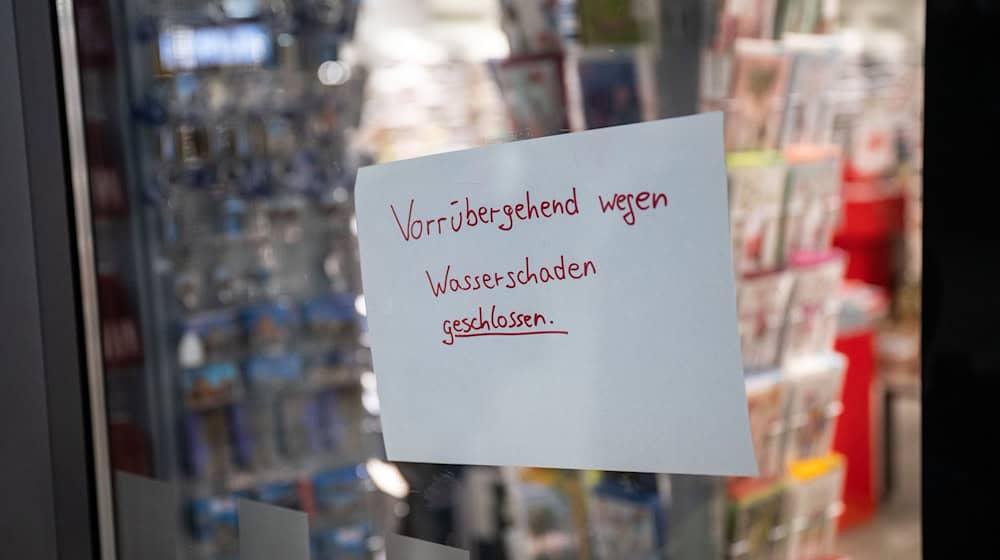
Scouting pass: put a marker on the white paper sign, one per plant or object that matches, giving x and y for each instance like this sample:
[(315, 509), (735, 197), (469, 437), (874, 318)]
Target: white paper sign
[(561, 302)]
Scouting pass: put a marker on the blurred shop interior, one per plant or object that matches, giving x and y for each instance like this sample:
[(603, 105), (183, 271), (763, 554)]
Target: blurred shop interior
[(222, 141)]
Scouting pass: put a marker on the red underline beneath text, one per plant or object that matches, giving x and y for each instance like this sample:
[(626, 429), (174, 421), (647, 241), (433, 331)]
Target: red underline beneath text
[(525, 333)]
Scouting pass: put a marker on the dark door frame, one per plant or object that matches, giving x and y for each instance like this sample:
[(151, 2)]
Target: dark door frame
[(960, 343), (47, 510)]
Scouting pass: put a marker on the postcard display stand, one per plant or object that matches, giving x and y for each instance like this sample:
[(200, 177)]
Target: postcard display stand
[(785, 197)]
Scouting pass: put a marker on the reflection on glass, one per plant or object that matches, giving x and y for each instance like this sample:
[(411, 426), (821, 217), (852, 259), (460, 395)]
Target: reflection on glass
[(223, 138)]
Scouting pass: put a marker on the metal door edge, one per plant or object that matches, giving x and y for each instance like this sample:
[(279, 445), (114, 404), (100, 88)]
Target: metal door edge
[(88, 276)]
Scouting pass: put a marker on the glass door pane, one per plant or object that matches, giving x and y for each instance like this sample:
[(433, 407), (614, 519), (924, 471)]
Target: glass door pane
[(223, 138)]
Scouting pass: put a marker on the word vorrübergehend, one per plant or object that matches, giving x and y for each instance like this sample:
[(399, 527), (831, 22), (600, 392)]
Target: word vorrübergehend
[(469, 216)]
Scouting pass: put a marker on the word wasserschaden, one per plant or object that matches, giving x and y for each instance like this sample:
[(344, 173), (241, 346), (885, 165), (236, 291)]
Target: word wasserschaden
[(510, 279)]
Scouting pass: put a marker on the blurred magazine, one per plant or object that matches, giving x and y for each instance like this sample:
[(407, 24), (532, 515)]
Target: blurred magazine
[(533, 89), (757, 96), (610, 90), (810, 109)]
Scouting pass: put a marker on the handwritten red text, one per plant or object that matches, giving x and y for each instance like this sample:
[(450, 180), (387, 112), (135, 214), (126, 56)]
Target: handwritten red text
[(510, 279), (514, 323), (469, 216), (627, 203)]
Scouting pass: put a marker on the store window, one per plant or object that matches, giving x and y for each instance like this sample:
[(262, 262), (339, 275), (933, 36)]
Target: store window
[(223, 139)]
